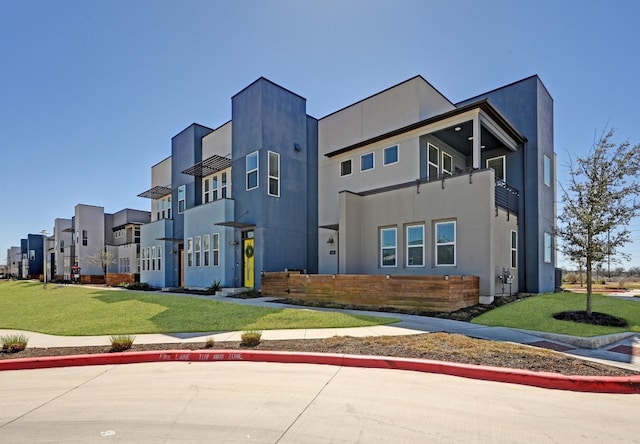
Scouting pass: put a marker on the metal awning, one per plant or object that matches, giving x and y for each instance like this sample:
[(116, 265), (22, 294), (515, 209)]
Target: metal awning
[(120, 227), (209, 166), (234, 224), (334, 227), (171, 239), (156, 192), (69, 230)]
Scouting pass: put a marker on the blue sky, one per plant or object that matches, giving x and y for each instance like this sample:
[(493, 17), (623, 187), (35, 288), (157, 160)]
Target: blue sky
[(91, 92)]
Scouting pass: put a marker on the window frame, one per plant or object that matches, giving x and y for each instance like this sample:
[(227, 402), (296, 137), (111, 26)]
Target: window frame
[(514, 249), (206, 190), (430, 164), (384, 155), (197, 250), (504, 166), (344, 162), (442, 160), (410, 247), (190, 252), (206, 247), (383, 247), (373, 161), (271, 177), (453, 243), (249, 172), (546, 173), (85, 238), (182, 202), (215, 249), (159, 257), (547, 248)]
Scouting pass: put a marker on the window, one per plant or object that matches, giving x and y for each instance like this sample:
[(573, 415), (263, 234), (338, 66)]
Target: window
[(190, 252), (61, 246), (169, 207), (197, 250), (205, 248), (433, 162), (274, 174), (390, 155), (252, 171), (223, 185), (345, 168), (498, 164), (367, 162), (148, 256), (153, 258), (206, 192), (143, 259), (445, 243), (514, 249), (214, 187), (216, 249), (548, 248), (85, 238), (415, 246), (182, 199), (547, 171), (447, 163), (159, 256), (388, 247)]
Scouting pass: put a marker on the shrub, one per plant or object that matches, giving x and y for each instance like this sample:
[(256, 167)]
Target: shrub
[(215, 286), (571, 278), (138, 286), (250, 338), (209, 343), (14, 343), (121, 342)]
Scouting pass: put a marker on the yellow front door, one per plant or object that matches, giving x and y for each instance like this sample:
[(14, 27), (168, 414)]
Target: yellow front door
[(247, 247)]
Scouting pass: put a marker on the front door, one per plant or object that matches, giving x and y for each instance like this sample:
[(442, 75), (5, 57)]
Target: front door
[(249, 268)]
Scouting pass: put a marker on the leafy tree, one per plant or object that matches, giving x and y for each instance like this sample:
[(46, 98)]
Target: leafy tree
[(601, 199)]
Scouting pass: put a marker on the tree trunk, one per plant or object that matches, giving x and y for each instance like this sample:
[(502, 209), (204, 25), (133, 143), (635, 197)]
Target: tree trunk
[(589, 286)]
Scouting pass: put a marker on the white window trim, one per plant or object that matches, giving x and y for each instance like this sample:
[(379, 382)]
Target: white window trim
[(384, 151), (256, 170), (373, 166), (546, 169), (382, 247), (343, 161), (421, 226), (184, 199), (443, 163), (431, 164), (444, 244), (159, 256), (504, 165), (215, 240), (206, 250), (190, 252), (270, 177), (547, 236), (514, 249), (197, 249)]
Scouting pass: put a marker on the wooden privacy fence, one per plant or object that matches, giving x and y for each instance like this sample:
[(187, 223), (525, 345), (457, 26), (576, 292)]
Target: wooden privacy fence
[(115, 279), (412, 293)]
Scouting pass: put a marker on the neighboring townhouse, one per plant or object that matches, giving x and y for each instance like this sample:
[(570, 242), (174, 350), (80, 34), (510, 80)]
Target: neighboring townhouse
[(14, 261), (64, 249), (404, 182), (232, 202)]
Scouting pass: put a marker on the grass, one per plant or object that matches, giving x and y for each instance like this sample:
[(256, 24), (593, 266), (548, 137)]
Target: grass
[(74, 310), (535, 313)]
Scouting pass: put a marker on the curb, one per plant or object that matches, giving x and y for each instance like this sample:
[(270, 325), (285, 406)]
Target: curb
[(603, 384)]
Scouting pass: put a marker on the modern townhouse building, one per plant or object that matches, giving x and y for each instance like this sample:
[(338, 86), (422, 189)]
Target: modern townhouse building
[(404, 182), (14, 261)]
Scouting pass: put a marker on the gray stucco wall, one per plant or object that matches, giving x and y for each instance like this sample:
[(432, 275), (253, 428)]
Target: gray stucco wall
[(149, 237)]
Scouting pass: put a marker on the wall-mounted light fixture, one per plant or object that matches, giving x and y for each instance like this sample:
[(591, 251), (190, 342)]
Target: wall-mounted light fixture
[(330, 240), (234, 242), (297, 147)]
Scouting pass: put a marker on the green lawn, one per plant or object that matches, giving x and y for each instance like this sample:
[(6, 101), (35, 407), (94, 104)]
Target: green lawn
[(535, 313), (73, 310)]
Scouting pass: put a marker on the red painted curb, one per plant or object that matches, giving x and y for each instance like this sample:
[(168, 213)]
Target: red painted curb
[(603, 384)]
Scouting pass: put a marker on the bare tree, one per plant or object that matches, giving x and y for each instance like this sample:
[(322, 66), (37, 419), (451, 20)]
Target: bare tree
[(102, 258), (601, 199)]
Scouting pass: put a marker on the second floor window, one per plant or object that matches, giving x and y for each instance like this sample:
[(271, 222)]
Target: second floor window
[(367, 162), (345, 168), (252, 171), (274, 174), (182, 196), (85, 238), (206, 191), (390, 155), (498, 165)]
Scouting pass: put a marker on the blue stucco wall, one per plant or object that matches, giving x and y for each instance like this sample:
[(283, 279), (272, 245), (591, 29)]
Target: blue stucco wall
[(149, 235), (35, 243), (267, 117), (528, 105)]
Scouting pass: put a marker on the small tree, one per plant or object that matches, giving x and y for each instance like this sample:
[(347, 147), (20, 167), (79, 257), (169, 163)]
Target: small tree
[(102, 258), (599, 203)]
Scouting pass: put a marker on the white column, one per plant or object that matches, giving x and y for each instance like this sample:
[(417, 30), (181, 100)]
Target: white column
[(475, 147)]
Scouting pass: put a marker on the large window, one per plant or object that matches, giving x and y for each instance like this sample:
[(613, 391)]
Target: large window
[(548, 248), (345, 168), (190, 252), (159, 256), (85, 238), (415, 246), (388, 247), (274, 174), (367, 161), (547, 171), (153, 258), (198, 250), (445, 243), (390, 155), (447, 163), (206, 249), (206, 191), (182, 196), (223, 186), (433, 164), (498, 164), (514, 249), (216, 249), (252, 171)]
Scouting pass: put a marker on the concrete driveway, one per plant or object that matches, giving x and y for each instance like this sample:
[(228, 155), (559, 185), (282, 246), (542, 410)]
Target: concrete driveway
[(234, 402)]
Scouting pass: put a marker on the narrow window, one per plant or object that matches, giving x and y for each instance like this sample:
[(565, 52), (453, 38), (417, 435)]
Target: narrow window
[(514, 249), (223, 185), (142, 260), (445, 243), (252, 171), (148, 258), (274, 174), (190, 252), (498, 164), (388, 247), (415, 246), (85, 238), (169, 207), (367, 161), (153, 258), (390, 155), (433, 162), (61, 246), (205, 248), (159, 256), (182, 198), (447, 163), (216, 249), (345, 168), (206, 191), (548, 248), (197, 250), (547, 171)]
